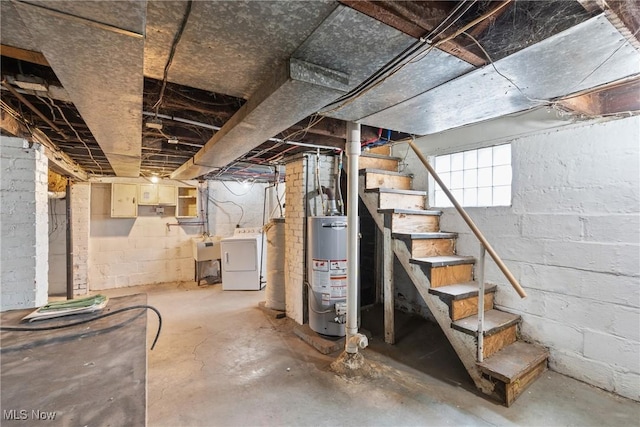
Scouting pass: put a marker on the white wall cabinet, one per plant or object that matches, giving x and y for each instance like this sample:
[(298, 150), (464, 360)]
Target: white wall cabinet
[(187, 202), (154, 194), (124, 200), (167, 195)]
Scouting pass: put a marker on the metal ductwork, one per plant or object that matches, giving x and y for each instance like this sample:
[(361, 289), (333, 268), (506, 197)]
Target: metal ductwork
[(97, 53), (343, 51), (295, 91)]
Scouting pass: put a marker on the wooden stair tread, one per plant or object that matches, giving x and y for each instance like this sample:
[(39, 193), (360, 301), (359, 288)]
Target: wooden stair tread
[(444, 260), (383, 172), (460, 290), (420, 236), (513, 361), (409, 211), (494, 322), (379, 156), (395, 191)]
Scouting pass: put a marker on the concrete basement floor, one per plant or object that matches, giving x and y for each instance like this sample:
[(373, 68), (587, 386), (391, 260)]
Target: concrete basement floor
[(221, 361)]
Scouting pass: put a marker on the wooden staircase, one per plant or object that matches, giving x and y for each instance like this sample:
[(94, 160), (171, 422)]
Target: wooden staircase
[(445, 280)]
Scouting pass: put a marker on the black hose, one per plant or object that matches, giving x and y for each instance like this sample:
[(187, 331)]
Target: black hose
[(82, 322)]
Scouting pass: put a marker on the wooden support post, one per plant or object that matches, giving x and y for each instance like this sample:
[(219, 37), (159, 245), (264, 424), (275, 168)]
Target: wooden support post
[(379, 265), (389, 301)]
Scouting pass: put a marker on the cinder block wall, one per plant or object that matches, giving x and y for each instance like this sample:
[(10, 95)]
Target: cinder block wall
[(57, 247), (24, 248), (136, 251), (300, 178), (571, 237), (231, 204), (80, 227)]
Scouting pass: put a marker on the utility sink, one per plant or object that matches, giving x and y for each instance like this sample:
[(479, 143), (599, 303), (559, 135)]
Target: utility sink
[(206, 248)]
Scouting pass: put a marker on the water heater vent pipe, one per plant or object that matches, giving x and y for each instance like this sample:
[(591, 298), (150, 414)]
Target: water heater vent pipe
[(354, 340)]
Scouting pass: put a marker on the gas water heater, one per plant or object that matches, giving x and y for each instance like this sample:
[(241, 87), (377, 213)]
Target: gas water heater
[(327, 274)]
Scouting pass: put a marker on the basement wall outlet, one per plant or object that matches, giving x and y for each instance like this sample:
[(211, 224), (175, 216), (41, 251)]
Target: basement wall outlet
[(159, 210)]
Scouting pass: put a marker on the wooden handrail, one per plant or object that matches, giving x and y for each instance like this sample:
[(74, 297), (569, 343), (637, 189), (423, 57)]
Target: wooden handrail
[(501, 265)]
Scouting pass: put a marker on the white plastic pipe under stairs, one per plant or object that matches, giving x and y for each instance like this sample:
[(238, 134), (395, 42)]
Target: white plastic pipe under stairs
[(354, 340)]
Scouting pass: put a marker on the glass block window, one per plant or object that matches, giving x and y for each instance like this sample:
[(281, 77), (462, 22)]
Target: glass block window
[(476, 177)]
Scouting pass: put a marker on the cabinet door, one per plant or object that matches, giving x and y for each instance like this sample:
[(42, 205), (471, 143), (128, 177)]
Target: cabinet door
[(123, 200), (167, 195), (147, 194)]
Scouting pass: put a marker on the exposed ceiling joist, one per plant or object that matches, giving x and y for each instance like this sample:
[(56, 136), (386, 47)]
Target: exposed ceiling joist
[(58, 160), (617, 98), (23, 55)]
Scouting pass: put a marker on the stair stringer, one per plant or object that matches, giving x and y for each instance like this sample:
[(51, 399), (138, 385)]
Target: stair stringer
[(463, 344), (371, 202)]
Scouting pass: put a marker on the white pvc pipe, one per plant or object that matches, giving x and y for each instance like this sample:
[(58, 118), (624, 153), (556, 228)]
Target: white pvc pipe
[(353, 153)]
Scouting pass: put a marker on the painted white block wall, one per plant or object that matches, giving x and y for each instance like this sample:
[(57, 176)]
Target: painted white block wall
[(231, 204), (57, 247), (24, 222), (301, 177), (572, 239), (80, 225), (136, 251)]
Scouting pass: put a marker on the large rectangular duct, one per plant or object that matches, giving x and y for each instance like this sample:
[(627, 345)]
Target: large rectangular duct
[(296, 90), (343, 51), (555, 67), (97, 53)]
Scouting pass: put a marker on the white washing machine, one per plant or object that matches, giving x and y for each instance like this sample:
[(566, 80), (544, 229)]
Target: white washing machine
[(243, 268)]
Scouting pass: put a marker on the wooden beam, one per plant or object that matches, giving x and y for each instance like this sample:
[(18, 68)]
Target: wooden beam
[(59, 161), (23, 55), (615, 98), (387, 284), (12, 126), (331, 127)]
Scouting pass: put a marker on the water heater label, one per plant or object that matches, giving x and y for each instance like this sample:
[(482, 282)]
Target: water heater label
[(329, 277), (338, 273), (320, 278)]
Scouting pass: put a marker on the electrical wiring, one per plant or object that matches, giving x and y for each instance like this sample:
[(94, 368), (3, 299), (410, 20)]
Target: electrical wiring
[(53, 218), (236, 194), (626, 40), (541, 101), (403, 162), (402, 60), (53, 114), (217, 203), (405, 58), (93, 319), (172, 52), (77, 135), (201, 101), (315, 119)]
